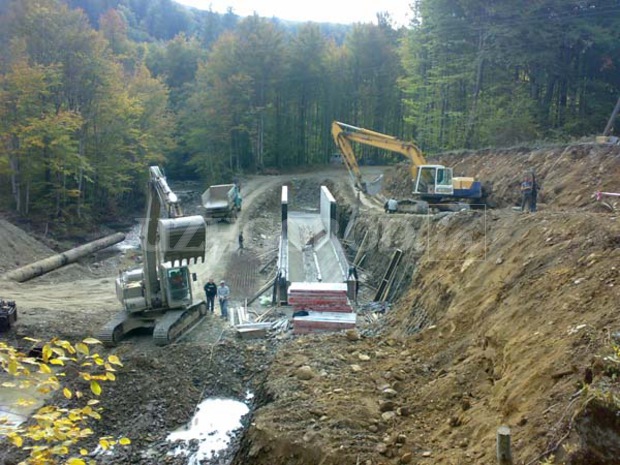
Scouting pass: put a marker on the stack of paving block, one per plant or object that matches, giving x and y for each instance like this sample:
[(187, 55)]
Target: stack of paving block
[(326, 305)]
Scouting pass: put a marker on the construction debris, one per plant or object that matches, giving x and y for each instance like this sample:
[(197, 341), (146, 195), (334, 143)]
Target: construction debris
[(8, 315), (252, 330), (323, 321), (320, 307)]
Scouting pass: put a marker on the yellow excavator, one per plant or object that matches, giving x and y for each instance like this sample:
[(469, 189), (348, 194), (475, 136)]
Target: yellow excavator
[(159, 294), (431, 183)]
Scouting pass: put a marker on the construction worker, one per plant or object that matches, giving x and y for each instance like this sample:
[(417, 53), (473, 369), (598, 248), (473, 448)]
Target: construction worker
[(526, 193), (391, 206), (223, 293), (210, 291)]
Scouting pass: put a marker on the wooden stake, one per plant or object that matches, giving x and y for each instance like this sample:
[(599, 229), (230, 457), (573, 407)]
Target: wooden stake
[(504, 455)]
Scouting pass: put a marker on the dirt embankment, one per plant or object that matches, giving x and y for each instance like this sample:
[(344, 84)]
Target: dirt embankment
[(569, 175), (507, 320)]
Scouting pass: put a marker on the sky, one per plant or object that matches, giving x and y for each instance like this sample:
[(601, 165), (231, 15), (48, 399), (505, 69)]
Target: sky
[(324, 11)]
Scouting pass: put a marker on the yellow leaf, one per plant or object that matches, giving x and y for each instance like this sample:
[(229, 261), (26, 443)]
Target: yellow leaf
[(12, 369), (46, 353), (83, 452), (17, 440), (85, 376), (67, 393), (58, 351), (114, 360), (82, 348), (124, 441), (104, 443), (95, 387), (79, 394), (110, 376), (57, 361), (75, 461), (91, 340), (27, 402), (93, 402), (65, 344), (44, 368), (8, 385), (31, 339)]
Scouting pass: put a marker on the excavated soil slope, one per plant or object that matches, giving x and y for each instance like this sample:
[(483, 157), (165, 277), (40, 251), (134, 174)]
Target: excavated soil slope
[(508, 320)]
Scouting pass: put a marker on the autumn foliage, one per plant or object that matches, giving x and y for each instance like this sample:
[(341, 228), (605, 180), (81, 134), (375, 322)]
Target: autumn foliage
[(76, 373)]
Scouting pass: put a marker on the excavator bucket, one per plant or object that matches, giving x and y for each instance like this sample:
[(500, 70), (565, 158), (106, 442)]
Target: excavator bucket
[(182, 239), (374, 187)]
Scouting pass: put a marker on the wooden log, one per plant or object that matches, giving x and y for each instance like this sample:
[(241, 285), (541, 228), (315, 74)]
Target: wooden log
[(261, 291), (358, 256), (387, 277), (504, 455), (46, 265)]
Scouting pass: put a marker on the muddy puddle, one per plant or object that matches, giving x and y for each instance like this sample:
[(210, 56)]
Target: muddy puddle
[(209, 433)]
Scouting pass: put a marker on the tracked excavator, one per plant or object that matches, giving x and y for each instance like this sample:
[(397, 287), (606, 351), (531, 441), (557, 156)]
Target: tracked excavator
[(432, 184), (159, 294)]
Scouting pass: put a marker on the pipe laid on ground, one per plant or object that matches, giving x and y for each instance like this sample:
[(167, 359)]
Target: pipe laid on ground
[(46, 265), (599, 195)]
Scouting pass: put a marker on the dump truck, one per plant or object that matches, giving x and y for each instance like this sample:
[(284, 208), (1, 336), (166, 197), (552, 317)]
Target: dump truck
[(221, 203)]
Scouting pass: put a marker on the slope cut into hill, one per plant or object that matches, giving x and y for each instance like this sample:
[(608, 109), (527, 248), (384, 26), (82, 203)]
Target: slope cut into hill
[(510, 318), (569, 175)]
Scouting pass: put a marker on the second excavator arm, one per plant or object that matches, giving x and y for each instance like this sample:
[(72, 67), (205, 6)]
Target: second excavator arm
[(339, 133), (344, 134)]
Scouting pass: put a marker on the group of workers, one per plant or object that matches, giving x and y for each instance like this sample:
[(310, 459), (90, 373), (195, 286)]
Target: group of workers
[(222, 292)]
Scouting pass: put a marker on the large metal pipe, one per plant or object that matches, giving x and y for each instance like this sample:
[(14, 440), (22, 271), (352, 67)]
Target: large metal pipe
[(46, 265)]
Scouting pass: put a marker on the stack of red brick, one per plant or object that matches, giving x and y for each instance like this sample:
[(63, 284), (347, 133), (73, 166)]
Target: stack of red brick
[(327, 306)]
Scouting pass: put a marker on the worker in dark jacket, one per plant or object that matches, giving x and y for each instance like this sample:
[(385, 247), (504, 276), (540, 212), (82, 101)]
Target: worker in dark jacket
[(210, 292)]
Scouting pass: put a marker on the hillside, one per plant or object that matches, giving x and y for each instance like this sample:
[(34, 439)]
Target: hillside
[(508, 319)]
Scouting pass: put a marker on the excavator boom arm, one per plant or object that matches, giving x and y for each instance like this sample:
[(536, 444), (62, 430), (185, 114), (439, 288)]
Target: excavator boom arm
[(344, 134), (344, 144)]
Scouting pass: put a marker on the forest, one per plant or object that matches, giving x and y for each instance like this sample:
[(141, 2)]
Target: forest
[(91, 92)]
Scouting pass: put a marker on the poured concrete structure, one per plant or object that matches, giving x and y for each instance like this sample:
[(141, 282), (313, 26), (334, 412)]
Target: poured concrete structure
[(313, 269)]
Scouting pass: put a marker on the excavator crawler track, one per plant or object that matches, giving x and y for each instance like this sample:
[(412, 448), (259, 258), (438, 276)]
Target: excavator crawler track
[(113, 331), (177, 323), (168, 326)]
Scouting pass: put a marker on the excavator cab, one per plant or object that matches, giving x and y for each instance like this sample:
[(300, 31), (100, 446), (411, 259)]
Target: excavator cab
[(434, 181), (178, 288)]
